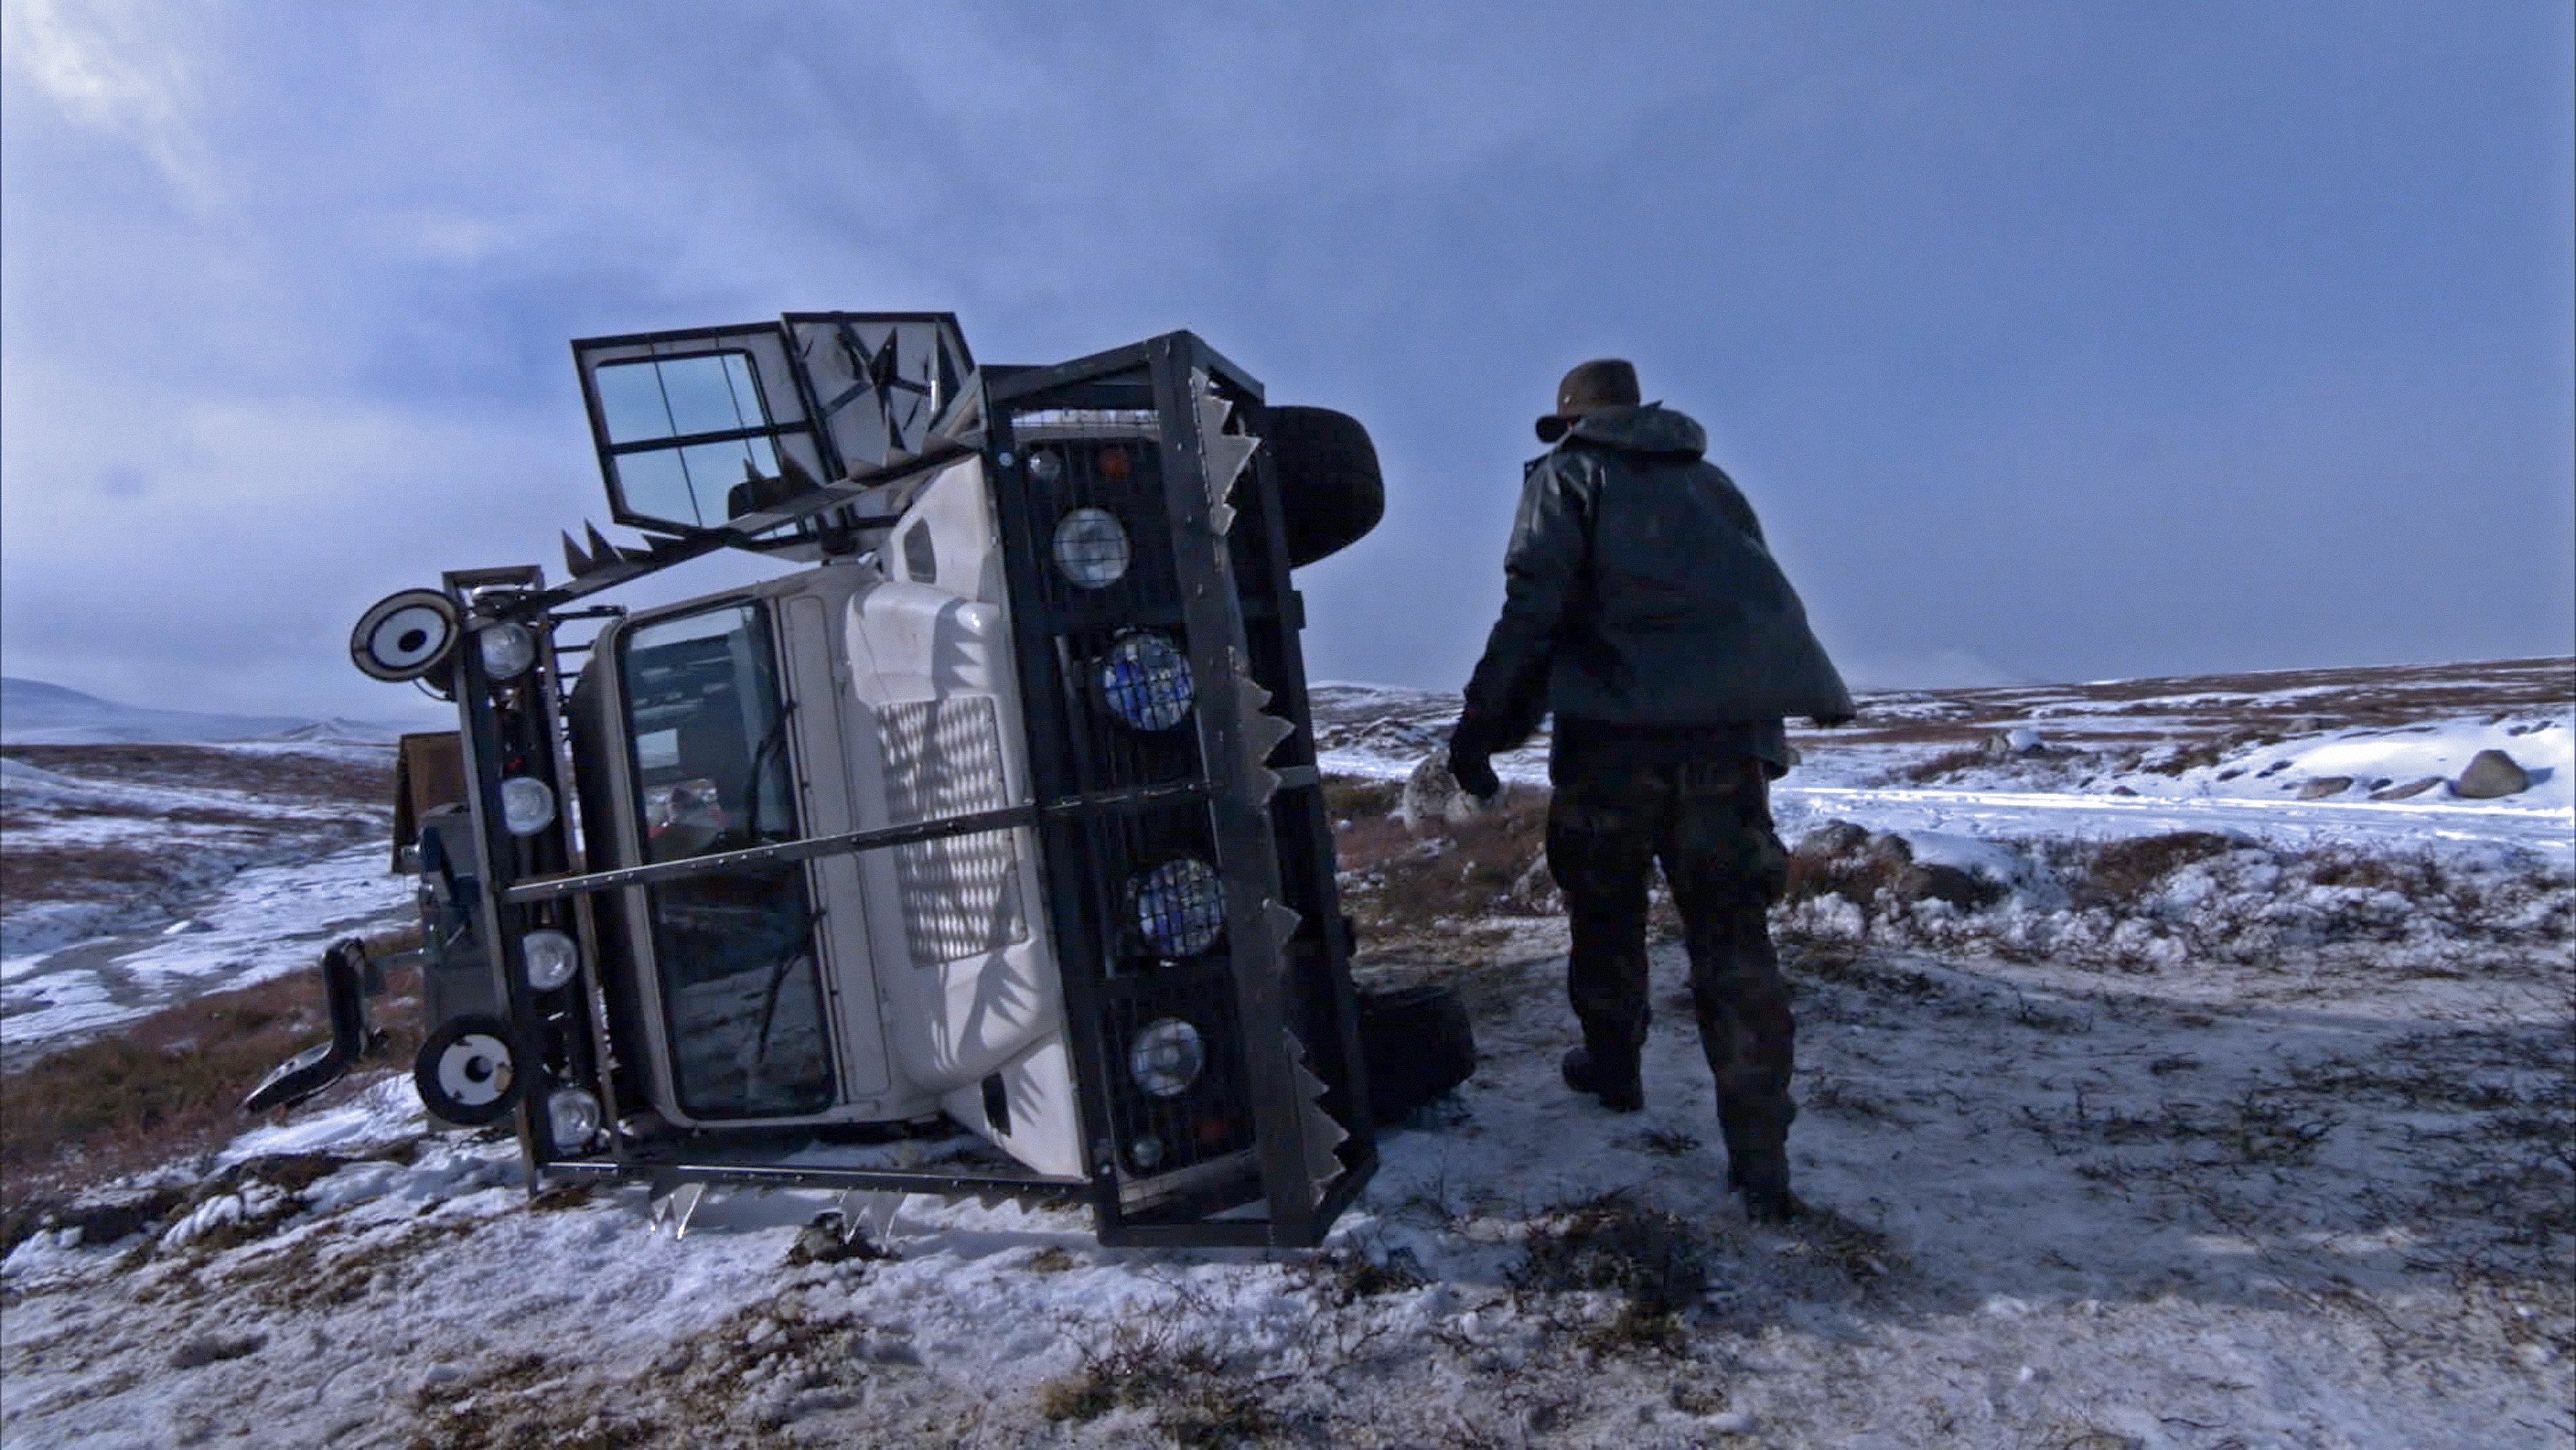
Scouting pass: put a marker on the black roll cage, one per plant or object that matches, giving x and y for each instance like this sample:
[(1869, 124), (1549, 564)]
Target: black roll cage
[(1269, 828)]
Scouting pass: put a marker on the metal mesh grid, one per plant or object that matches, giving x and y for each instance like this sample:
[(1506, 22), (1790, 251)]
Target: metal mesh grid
[(961, 894), (1091, 548), (1146, 680), (1144, 916), (1071, 482), (1103, 751), (1160, 1132), (1178, 907), (1201, 1139)]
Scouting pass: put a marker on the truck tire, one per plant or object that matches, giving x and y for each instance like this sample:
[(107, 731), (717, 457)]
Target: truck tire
[(1418, 1045), (1330, 491), (472, 1070)]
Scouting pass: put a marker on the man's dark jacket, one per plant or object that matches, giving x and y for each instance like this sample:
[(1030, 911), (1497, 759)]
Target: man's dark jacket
[(1639, 593)]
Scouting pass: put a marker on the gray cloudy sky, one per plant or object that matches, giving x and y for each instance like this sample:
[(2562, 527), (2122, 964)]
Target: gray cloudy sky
[(2053, 341)]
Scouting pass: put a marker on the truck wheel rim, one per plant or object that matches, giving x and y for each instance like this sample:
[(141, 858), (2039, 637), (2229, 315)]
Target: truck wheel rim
[(475, 1070)]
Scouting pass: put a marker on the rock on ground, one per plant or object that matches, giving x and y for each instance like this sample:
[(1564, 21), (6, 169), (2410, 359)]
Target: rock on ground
[(1433, 798), (2491, 773)]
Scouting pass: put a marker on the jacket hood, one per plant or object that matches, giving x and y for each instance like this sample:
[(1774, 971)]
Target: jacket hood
[(1653, 428)]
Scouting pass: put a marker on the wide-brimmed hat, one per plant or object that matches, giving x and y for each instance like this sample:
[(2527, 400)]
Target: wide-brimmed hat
[(1603, 385)]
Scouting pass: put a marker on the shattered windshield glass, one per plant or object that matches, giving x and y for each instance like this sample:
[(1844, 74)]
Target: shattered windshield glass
[(741, 989)]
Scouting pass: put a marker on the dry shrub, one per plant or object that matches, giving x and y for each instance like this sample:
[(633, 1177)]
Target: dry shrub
[(1187, 1387), (1894, 732), (1845, 860), (1395, 880), (2421, 876), (1344, 1276), (170, 1085), (35, 867), (2120, 872), (1370, 842), (90, 872), (2189, 757), (1871, 870), (1351, 798), (1653, 1260), (1947, 764)]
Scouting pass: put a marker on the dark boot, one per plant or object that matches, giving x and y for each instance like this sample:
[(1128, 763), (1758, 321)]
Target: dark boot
[(1757, 1161), (1761, 1178), (1621, 1091)]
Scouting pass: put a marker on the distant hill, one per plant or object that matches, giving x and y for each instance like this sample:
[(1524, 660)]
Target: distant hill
[(33, 712)]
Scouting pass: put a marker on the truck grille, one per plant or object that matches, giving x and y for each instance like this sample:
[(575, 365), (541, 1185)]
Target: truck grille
[(961, 894)]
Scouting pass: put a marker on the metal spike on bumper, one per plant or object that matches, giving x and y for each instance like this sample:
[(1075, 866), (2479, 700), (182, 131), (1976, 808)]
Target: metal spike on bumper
[(1262, 731), (869, 1213), (1280, 923), (602, 551), (676, 1207), (1321, 1133), (1225, 453)]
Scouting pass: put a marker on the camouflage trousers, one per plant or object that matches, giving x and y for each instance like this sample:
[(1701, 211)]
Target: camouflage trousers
[(1709, 824)]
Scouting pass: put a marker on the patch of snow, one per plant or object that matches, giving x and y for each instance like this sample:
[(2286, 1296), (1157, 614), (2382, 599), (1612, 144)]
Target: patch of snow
[(387, 1111), (94, 965)]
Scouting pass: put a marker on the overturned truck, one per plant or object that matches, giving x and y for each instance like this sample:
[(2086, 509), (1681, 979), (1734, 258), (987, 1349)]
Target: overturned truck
[(986, 854)]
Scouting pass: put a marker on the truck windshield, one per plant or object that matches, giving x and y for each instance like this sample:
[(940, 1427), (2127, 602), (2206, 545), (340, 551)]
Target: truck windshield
[(741, 991)]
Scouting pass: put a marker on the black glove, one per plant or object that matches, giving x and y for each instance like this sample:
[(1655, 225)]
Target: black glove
[(1475, 773)]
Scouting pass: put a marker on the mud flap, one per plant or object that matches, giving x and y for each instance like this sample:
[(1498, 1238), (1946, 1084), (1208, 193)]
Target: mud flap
[(345, 979)]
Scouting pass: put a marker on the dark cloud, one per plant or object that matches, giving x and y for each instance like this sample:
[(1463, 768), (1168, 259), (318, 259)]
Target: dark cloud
[(2051, 341)]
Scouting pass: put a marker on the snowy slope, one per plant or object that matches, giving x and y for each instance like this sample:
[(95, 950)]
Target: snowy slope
[(2267, 1146), (2054, 1212), (33, 712), (141, 874), (2130, 757)]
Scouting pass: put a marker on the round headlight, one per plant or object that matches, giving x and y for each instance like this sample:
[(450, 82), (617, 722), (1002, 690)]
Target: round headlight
[(1167, 1057), (527, 805), (1179, 907), (551, 958), (1091, 548), (508, 649), (572, 1118), (1045, 466), (1146, 1152), (1147, 680)]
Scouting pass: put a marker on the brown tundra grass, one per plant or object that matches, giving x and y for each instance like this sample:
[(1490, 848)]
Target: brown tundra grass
[(170, 1085), (287, 775), (1398, 881), (2120, 872)]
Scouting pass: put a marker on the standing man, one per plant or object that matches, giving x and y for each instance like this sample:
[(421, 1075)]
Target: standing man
[(1642, 607)]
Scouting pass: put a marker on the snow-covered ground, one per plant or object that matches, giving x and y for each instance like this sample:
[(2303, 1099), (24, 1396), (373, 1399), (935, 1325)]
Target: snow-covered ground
[(2246, 754), (140, 874), (2260, 1136), (2051, 1210)]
